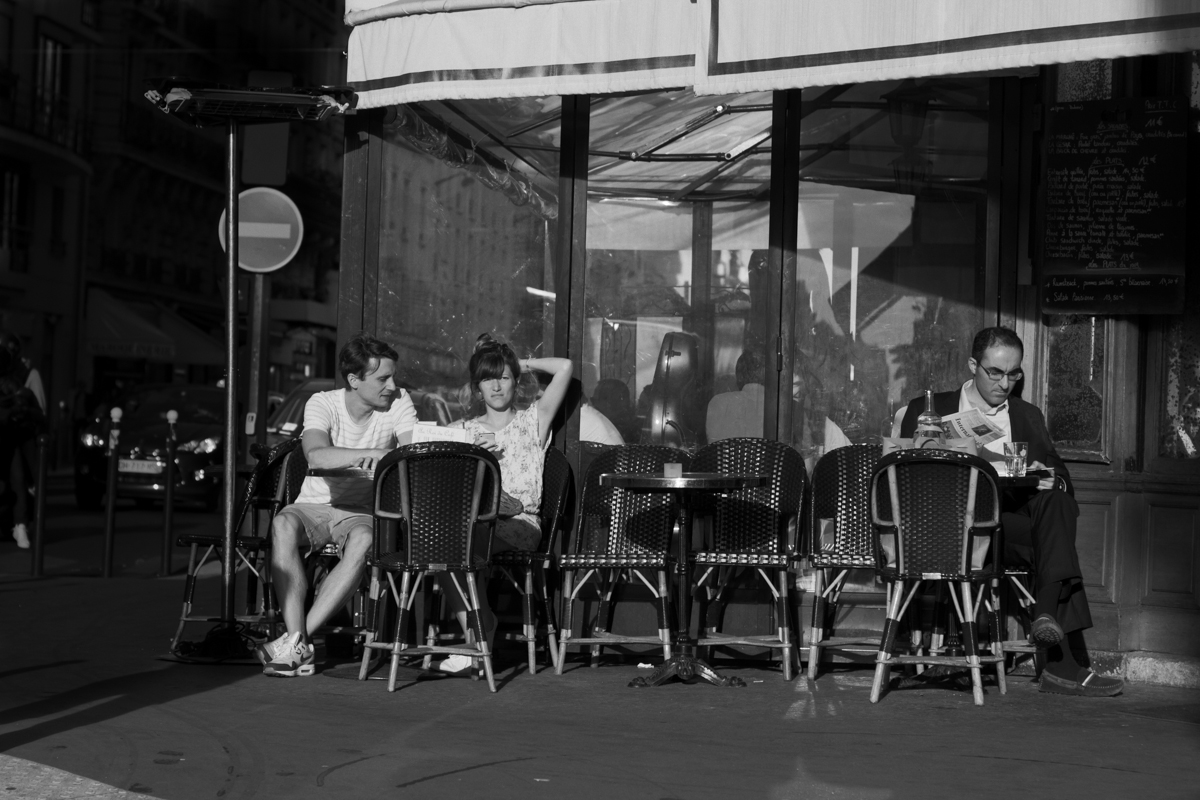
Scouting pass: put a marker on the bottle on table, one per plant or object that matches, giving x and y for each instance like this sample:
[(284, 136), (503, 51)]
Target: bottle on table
[(929, 431)]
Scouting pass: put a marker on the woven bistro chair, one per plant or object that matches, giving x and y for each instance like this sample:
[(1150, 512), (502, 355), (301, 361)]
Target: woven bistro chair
[(936, 513), (436, 493), (270, 487), (753, 529), (840, 538), (532, 564), (619, 536)]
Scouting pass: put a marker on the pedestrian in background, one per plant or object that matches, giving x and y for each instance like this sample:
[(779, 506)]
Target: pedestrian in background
[(22, 418)]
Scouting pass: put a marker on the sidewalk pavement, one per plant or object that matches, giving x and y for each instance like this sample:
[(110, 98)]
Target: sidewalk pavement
[(88, 709)]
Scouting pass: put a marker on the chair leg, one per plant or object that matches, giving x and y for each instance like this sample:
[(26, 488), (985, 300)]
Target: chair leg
[(404, 602), (785, 624), (971, 641), (530, 620), (994, 623), (548, 611), (608, 581), (480, 637), (189, 593), (664, 619), (887, 641), (816, 631), (373, 621), (568, 599)]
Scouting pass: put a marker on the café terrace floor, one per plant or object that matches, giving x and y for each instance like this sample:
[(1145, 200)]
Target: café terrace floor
[(89, 709)]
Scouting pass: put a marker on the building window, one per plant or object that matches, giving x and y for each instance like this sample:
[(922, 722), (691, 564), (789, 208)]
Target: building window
[(58, 213), (14, 230), (89, 13), (52, 87)]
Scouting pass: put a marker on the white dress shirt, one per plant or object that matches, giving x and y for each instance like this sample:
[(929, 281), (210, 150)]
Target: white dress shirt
[(991, 452)]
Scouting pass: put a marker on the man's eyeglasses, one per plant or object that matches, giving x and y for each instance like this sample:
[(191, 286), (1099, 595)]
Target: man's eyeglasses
[(998, 375)]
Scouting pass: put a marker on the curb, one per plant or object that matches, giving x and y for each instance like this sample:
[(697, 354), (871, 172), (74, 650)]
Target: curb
[(1141, 666)]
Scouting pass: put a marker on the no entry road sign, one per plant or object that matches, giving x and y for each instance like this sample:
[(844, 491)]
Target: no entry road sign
[(269, 229)]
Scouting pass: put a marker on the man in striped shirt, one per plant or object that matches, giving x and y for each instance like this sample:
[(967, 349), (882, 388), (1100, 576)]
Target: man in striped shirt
[(351, 427)]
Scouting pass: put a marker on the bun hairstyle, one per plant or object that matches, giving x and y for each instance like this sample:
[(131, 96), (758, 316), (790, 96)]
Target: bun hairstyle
[(489, 360)]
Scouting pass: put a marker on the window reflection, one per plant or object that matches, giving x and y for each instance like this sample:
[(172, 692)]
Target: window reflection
[(891, 241), (1179, 433), (1075, 384), (676, 235), (467, 223)]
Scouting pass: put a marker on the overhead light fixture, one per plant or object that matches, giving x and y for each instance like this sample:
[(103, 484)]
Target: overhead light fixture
[(541, 293)]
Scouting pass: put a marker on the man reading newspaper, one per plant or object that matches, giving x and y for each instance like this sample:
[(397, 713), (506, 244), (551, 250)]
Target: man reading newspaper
[(1039, 526)]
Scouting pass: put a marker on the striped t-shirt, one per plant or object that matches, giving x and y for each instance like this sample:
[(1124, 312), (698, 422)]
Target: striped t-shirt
[(326, 411)]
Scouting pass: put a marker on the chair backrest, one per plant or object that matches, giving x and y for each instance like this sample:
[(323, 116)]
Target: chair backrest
[(264, 485), (840, 530), (295, 470), (756, 520), (438, 491), (556, 492), (620, 522), (935, 503)]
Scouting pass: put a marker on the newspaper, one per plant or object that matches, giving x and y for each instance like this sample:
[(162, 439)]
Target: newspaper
[(971, 424), (432, 432)]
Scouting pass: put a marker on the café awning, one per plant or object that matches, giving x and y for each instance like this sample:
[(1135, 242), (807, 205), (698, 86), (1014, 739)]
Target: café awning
[(404, 51), (118, 329)]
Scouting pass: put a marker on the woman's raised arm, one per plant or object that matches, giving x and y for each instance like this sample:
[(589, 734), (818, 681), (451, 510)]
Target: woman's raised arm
[(556, 391)]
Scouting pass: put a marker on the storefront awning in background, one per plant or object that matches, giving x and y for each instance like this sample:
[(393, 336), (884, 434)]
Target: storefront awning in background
[(117, 330), (411, 50), (192, 345)]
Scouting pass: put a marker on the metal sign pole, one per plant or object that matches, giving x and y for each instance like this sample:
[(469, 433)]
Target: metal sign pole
[(228, 563)]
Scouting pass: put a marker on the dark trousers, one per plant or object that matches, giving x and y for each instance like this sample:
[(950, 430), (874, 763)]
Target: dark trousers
[(1039, 530)]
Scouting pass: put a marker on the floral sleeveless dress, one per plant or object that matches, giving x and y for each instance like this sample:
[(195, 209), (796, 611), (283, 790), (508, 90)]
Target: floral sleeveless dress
[(521, 461)]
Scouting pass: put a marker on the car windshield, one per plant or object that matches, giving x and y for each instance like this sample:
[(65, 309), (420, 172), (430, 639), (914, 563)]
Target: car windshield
[(292, 407), (195, 404)]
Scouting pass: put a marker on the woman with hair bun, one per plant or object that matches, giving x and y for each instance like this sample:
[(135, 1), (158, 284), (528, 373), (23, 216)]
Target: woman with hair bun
[(518, 439)]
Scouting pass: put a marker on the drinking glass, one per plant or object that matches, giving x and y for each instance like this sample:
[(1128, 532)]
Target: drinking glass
[(1014, 458)]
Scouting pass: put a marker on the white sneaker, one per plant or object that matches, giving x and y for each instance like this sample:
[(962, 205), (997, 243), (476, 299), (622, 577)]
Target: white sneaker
[(457, 665), (269, 651), (296, 659), (21, 535)]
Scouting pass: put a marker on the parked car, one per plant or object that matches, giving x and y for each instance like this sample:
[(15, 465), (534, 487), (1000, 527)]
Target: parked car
[(142, 446), (287, 421)]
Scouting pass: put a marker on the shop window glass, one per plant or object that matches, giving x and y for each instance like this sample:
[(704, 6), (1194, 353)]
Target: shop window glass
[(1075, 385), (466, 232), (675, 337), (891, 251), (1179, 426)]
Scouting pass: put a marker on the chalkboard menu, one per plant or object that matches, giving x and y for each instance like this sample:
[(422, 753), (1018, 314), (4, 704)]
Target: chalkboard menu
[(1115, 195)]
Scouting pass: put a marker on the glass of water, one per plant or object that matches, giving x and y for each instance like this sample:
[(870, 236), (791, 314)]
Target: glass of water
[(1014, 458)]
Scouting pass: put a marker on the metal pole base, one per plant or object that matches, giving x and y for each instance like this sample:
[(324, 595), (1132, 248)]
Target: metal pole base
[(222, 643)]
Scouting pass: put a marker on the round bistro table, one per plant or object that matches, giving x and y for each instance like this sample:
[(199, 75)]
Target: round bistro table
[(683, 663)]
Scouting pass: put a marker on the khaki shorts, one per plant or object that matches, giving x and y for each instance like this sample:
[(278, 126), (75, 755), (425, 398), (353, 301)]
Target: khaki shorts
[(326, 524)]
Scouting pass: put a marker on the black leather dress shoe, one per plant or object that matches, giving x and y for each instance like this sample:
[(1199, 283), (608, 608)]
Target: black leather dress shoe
[(1045, 631), (1089, 684)]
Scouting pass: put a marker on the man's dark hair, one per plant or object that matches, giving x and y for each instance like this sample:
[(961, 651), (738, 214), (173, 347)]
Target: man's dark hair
[(995, 337), (749, 368), (358, 353)]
